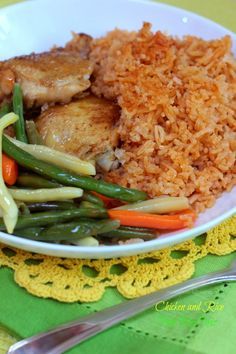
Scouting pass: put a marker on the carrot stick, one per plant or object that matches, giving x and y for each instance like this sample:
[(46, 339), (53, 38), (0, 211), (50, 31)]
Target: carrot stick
[(9, 170), (109, 202), (168, 222)]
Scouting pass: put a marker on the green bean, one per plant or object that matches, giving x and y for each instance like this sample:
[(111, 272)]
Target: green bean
[(23, 208), (159, 205), (32, 133), (88, 183), (34, 181), (85, 204), (88, 241), (68, 232), (87, 219), (139, 229), (30, 233), (106, 226), (53, 217), (45, 194), (124, 233), (5, 108), (18, 109), (46, 206), (60, 159), (89, 197), (77, 230)]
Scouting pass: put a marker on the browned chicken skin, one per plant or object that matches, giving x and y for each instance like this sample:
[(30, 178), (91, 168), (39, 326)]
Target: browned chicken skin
[(80, 43), (86, 127), (51, 77)]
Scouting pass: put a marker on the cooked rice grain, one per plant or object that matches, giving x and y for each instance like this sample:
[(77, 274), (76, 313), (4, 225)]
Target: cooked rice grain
[(178, 111)]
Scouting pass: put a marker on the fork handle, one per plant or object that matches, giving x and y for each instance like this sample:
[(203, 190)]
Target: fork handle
[(62, 338)]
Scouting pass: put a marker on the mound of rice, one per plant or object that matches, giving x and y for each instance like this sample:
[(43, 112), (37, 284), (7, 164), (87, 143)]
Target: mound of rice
[(178, 112)]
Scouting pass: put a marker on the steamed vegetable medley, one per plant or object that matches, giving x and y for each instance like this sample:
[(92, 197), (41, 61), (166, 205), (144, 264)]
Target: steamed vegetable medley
[(50, 196)]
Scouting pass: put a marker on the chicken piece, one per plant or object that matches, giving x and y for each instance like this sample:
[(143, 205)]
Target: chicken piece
[(54, 76), (7, 80), (85, 128), (80, 43)]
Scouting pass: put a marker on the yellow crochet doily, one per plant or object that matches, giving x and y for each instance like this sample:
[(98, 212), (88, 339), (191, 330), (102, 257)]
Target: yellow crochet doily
[(6, 340), (71, 280)]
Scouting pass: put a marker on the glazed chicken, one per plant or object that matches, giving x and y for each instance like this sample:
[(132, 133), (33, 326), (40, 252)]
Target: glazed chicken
[(80, 43), (50, 77), (70, 119), (86, 127)]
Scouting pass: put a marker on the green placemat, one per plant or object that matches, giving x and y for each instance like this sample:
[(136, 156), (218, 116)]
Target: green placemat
[(202, 322), (180, 328)]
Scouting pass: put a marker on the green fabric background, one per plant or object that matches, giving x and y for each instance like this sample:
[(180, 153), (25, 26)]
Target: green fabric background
[(165, 332)]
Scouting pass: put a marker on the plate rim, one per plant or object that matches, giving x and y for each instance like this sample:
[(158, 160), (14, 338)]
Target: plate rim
[(144, 2), (107, 251)]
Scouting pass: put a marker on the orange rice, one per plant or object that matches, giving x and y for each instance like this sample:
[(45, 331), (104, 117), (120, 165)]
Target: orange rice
[(178, 112)]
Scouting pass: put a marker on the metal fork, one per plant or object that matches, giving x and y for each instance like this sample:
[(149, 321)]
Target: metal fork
[(62, 338)]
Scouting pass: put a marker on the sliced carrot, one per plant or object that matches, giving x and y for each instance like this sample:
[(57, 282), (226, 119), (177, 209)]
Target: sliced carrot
[(186, 213), (9, 170), (109, 202), (168, 222)]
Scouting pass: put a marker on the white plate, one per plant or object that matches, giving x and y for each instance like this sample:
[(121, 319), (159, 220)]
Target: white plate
[(38, 25)]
